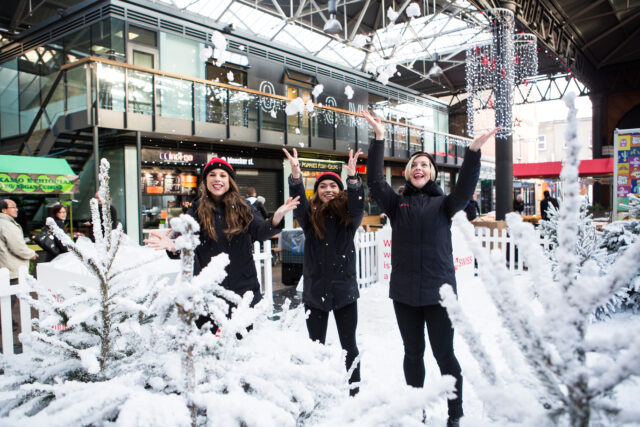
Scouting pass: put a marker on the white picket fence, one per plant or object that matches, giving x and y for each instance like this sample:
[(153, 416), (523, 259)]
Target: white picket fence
[(6, 315), (366, 245), (495, 239), (366, 258), (262, 258)]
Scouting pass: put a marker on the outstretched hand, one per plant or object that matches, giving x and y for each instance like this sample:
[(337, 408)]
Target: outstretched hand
[(353, 161), (288, 206), (295, 164), (375, 123), (160, 241), (479, 141)]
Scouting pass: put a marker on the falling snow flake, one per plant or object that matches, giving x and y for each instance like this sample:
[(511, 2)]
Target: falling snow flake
[(413, 10), (230, 76), (294, 107), (274, 114), (348, 90), (317, 90), (392, 14), (205, 54), (297, 131)]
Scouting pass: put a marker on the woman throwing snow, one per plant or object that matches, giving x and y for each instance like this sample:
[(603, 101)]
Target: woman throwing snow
[(330, 220), (421, 256), (227, 225)]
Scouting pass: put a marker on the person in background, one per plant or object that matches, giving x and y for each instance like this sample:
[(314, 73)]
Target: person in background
[(252, 200), (518, 204), (259, 205), (421, 255), (546, 203), (59, 214), (227, 224), (14, 253), (330, 221), (472, 209)]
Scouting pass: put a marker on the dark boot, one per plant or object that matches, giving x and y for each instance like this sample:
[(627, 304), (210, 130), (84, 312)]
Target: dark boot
[(453, 422), (424, 416)]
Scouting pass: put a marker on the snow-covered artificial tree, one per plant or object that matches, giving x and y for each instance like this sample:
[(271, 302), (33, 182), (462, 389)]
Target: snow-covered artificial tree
[(569, 373), (588, 240), (129, 352), (616, 238)]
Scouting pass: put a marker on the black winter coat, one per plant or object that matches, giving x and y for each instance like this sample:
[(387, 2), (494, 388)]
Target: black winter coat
[(329, 268), (241, 271), (421, 251)]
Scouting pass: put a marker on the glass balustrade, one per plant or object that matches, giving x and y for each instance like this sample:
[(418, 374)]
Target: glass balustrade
[(172, 97), (139, 92)]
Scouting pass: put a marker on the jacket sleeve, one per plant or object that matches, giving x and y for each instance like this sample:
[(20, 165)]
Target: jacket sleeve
[(355, 202), (15, 243), (381, 191), (467, 180), (296, 188), (260, 230)]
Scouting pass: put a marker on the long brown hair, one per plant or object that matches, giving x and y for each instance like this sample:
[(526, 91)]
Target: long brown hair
[(237, 214), (336, 206)]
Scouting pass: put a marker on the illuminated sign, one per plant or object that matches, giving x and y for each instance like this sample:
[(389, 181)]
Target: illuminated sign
[(170, 156)]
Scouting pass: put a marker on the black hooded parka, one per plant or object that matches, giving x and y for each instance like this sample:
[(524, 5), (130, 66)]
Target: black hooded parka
[(329, 268), (421, 250), (241, 271)]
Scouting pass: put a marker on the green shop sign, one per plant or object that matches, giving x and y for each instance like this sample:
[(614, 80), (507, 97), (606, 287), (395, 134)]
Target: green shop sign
[(23, 183)]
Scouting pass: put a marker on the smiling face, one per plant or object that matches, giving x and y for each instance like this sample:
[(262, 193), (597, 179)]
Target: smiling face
[(420, 171), (327, 190), (217, 183), (62, 214)]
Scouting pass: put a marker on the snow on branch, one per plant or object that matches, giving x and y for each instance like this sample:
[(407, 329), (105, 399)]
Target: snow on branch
[(575, 370)]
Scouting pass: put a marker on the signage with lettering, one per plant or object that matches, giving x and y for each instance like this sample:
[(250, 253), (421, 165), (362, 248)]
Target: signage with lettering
[(321, 165), (31, 183), (189, 158)]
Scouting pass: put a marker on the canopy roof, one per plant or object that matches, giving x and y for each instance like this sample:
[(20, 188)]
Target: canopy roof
[(36, 175), (592, 167)]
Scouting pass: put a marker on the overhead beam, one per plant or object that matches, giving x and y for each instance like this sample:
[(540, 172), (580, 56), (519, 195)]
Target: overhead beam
[(611, 30)]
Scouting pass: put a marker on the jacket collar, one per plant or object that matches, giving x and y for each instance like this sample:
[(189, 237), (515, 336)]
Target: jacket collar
[(9, 218), (431, 188)]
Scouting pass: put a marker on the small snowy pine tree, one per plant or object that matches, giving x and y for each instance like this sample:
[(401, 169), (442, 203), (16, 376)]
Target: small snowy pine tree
[(574, 372)]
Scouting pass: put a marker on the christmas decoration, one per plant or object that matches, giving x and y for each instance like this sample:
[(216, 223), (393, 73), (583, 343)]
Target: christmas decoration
[(493, 69)]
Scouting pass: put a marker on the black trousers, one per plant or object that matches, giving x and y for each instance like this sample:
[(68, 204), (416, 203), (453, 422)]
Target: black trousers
[(346, 321), (411, 321)]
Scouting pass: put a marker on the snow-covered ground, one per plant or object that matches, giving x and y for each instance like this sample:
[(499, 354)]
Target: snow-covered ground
[(381, 357)]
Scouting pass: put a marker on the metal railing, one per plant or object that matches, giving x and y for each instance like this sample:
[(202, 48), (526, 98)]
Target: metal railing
[(157, 97)]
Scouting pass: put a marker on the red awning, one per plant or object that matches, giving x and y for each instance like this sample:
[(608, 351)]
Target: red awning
[(552, 169)]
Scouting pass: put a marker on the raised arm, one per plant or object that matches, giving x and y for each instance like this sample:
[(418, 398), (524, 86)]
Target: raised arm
[(381, 191), (468, 178), (296, 189), (355, 192)]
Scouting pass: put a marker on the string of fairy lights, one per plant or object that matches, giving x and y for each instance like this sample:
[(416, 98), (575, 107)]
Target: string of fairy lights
[(493, 70)]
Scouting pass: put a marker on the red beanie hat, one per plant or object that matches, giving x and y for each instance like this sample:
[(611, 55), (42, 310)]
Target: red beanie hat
[(218, 163), (328, 175)]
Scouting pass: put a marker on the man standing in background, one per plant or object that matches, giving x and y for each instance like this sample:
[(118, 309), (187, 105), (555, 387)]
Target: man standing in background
[(14, 253)]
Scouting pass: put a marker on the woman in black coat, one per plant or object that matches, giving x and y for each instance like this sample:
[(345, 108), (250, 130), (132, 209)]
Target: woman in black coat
[(228, 225), (59, 214), (421, 254), (330, 221)]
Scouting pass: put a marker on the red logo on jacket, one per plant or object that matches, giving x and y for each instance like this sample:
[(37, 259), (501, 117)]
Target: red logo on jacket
[(404, 205)]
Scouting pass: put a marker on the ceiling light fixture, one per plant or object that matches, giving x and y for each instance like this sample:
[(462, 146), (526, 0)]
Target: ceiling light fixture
[(332, 26)]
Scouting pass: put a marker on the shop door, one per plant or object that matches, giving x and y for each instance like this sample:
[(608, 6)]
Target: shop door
[(268, 184)]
